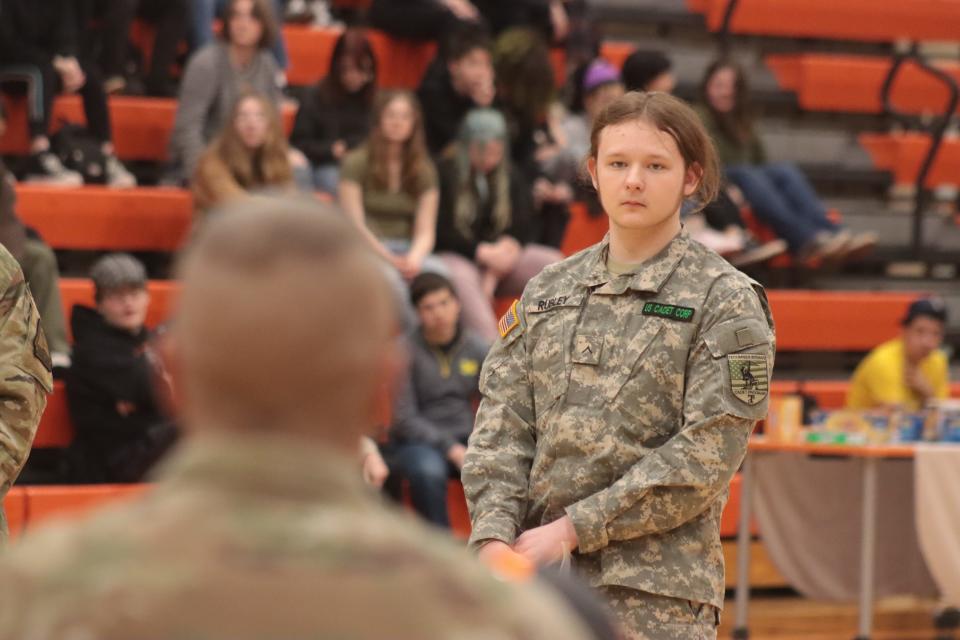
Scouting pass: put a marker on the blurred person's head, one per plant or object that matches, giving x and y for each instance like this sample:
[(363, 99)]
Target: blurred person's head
[(249, 23), (353, 66), (252, 143), (467, 51), (924, 326), (649, 152), (397, 122), (726, 94), (437, 306), (601, 86), (120, 291), (483, 137), (525, 76), (285, 325), (646, 70)]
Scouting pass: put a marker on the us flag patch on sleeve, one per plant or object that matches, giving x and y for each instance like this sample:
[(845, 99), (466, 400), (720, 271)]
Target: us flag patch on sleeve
[(509, 321)]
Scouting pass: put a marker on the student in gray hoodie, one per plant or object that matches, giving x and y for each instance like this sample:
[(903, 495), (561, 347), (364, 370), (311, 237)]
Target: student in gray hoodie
[(435, 405)]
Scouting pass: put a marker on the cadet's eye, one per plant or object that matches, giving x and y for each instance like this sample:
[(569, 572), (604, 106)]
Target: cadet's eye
[(617, 164), (656, 166)]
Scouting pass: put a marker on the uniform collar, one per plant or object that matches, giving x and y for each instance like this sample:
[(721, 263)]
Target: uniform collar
[(650, 276), (265, 465)]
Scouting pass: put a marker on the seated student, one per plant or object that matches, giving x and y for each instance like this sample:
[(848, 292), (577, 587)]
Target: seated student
[(216, 76), (909, 371), (334, 116), (435, 405), (483, 224), (250, 154), (718, 225), (111, 42), (40, 47), (388, 187), (202, 13), (39, 266), (121, 431), (779, 194), (459, 79)]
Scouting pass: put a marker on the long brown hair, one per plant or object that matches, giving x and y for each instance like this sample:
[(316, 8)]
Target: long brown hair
[(415, 157), (263, 13), (251, 168), (352, 45), (675, 117), (737, 123)]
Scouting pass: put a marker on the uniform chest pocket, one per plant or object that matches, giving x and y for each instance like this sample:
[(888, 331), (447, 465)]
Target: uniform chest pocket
[(602, 364)]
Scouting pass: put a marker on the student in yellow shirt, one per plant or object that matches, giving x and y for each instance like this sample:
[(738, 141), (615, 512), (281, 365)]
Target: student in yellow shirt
[(907, 371)]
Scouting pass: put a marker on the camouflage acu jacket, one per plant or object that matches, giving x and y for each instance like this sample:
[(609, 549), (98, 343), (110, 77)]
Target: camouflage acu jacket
[(250, 537), (625, 402), (25, 378)]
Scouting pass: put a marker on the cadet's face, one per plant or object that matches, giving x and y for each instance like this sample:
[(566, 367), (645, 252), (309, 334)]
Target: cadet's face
[(245, 29), (922, 337), (397, 120), (439, 312), (640, 175), (251, 123), (125, 308)]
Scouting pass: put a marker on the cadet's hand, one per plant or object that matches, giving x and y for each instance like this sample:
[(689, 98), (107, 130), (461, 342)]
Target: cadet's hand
[(547, 544), (456, 454)]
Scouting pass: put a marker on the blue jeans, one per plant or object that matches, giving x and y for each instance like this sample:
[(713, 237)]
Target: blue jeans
[(426, 471), (201, 31), (782, 198)]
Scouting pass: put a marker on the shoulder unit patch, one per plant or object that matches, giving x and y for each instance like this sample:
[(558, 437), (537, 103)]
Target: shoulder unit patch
[(749, 378)]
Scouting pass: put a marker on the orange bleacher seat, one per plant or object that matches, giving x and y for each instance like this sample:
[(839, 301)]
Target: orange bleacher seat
[(141, 126), (583, 230), (45, 502), (15, 506), (851, 83), (836, 320), (55, 430), (903, 154), (143, 219), (861, 20)]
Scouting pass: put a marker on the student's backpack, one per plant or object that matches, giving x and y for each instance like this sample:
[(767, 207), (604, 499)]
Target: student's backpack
[(80, 151)]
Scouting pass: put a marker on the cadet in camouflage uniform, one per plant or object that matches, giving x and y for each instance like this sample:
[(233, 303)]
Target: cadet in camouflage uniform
[(25, 368), (618, 402), (260, 526)]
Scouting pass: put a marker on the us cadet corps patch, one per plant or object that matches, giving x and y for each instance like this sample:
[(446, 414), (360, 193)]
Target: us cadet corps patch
[(669, 311), (509, 321), (749, 378)]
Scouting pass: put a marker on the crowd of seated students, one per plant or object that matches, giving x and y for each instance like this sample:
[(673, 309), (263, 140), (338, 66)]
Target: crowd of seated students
[(464, 186)]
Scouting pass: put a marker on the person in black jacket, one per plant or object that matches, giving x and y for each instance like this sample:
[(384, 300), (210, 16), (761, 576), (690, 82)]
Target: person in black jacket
[(459, 79), (334, 117), (120, 429), (483, 221)]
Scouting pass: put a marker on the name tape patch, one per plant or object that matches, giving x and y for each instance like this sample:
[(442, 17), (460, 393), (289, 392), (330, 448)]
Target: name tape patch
[(668, 311)]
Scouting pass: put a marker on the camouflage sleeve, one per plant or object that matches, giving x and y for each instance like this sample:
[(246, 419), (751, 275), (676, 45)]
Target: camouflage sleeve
[(497, 467), (727, 383), (25, 368)]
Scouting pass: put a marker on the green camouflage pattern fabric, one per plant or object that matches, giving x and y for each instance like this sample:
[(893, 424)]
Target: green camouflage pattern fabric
[(247, 538), (630, 423), (652, 617), (25, 371)]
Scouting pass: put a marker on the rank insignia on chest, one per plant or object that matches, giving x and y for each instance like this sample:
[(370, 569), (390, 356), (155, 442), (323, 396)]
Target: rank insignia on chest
[(669, 311), (509, 321), (749, 378)]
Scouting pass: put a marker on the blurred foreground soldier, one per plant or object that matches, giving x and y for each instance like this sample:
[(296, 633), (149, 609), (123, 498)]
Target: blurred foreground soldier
[(25, 374), (260, 526)]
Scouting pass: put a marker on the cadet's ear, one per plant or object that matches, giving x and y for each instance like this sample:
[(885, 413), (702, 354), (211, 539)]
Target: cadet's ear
[(592, 170)]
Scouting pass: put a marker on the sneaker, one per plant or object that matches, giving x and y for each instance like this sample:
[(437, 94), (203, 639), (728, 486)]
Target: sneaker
[(826, 246), (46, 168), (860, 245), (117, 175), (756, 252)]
